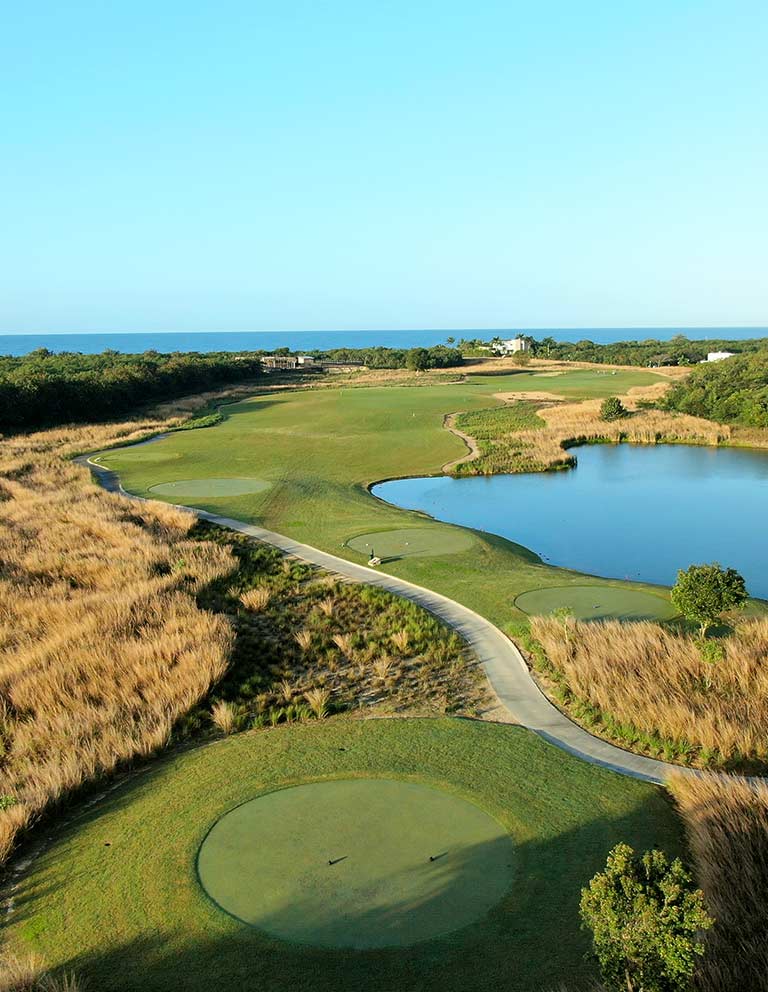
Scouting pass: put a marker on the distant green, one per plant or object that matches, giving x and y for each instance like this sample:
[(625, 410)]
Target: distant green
[(597, 602), (319, 449), (115, 897)]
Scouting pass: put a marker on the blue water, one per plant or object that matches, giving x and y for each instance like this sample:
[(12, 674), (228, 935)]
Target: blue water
[(21, 344), (627, 511)]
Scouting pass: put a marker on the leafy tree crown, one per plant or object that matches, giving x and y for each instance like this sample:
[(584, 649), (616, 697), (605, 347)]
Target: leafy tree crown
[(704, 592), (646, 918)]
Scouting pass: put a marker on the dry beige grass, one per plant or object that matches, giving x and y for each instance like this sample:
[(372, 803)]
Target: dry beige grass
[(649, 678), (726, 820), (30, 975), (255, 599), (569, 424), (102, 647)]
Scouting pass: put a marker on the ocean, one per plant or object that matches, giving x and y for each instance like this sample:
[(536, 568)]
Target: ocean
[(21, 344)]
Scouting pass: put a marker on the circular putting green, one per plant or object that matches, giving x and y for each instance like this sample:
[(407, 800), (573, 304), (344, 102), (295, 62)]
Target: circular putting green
[(596, 603), (412, 542), (210, 487), (357, 863)]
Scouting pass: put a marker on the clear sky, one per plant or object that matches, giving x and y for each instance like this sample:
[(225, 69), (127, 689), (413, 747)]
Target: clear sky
[(280, 165)]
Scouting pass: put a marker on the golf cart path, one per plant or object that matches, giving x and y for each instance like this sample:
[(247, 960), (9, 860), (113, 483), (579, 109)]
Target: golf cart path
[(500, 658)]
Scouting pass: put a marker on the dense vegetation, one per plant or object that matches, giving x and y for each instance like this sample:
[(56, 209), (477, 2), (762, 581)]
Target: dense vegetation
[(662, 690), (497, 434), (102, 645), (439, 356), (734, 391), (307, 644), (679, 350), (43, 389), (726, 820)]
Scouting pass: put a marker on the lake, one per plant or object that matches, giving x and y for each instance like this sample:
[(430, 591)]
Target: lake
[(626, 511)]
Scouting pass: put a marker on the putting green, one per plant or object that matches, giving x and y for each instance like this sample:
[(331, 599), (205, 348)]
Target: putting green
[(412, 542), (596, 603), (357, 863), (210, 487)]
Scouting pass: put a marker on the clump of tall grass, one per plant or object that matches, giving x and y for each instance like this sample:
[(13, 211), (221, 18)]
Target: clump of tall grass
[(326, 605), (304, 639), (30, 975), (255, 599), (318, 700), (653, 688), (401, 639), (224, 716), (726, 821)]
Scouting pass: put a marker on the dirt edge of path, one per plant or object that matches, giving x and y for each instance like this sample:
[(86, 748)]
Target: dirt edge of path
[(449, 423)]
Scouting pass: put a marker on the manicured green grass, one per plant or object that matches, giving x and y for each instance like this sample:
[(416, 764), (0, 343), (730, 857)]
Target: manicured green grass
[(597, 603), (412, 542), (576, 385), (206, 488), (319, 449), (115, 894), (357, 863)]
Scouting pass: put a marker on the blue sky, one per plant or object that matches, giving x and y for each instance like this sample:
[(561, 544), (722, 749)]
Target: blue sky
[(245, 166)]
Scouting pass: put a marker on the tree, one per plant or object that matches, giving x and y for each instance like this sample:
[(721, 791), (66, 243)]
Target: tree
[(521, 358), (646, 919), (612, 409), (418, 359), (703, 592)]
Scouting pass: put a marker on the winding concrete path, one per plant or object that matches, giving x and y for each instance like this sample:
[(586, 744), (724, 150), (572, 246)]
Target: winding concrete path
[(500, 658)]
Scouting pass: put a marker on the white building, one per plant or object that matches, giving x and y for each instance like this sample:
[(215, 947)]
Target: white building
[(718, 356), (512, 345)]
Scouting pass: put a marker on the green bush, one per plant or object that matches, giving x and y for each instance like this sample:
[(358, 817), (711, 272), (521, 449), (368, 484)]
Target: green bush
[(612, 409), (646, 919)]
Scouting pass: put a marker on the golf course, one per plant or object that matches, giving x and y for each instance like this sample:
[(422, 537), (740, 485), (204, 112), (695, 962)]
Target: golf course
[(300, 463), (432, 853), (299, 858)]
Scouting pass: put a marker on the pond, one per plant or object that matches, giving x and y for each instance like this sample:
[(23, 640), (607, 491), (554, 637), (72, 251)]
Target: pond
[(627, 511)]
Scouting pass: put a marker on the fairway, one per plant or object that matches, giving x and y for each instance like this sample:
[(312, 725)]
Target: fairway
[(319, 450), (412, 542), (115, 893), (597, 603), (357, 863), (574, 385)]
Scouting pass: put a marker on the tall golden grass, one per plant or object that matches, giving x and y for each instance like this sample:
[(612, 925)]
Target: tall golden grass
[(726, 820), (102, 646), (509, 444), (569, 424), (644, 678)]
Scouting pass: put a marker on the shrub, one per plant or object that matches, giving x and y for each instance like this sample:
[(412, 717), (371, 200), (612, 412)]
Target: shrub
[(646, 918), (703, 593), (612, 409)]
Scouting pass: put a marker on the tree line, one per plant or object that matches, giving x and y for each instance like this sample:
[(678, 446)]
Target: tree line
[(679, 350), (439, 356), (43, 389), (733, 391)]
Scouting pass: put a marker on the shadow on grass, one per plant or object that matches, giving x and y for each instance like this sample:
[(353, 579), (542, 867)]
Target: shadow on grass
[(528, 942)]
